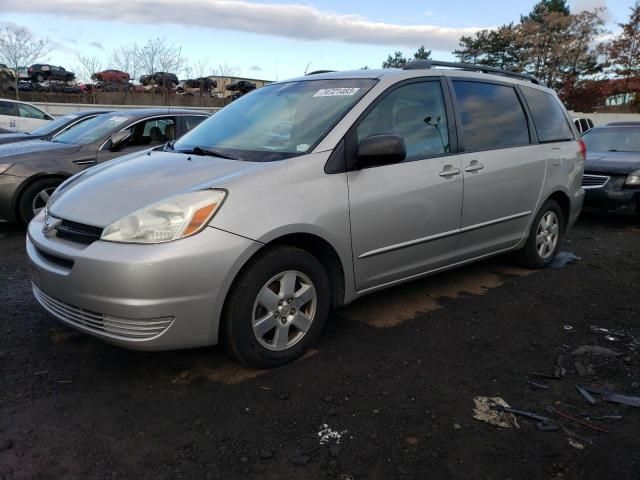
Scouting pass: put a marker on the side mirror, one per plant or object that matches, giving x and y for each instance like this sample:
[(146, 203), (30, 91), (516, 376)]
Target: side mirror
[(118, 139), (380, 150)]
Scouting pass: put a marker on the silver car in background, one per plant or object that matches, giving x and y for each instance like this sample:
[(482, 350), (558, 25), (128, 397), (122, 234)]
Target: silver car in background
[(303, 196)]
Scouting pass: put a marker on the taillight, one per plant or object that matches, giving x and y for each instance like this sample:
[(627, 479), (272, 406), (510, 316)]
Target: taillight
[(583, 149)]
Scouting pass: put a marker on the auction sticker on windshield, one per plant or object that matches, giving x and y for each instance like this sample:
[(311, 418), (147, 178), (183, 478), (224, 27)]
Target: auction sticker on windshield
[(336, 92)]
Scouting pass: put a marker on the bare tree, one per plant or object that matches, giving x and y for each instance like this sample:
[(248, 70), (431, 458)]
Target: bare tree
[(226, 74), (125, 58), (87, 66), (19, 49)]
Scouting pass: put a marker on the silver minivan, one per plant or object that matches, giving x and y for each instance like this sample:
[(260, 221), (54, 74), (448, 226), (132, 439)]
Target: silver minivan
[(303, 196)]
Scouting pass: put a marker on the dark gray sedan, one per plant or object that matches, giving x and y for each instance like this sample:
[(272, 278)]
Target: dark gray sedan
[(30, 171), (53, 128)]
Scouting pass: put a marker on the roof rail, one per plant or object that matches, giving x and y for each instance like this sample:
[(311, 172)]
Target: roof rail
[(427, 64), (317, 72)]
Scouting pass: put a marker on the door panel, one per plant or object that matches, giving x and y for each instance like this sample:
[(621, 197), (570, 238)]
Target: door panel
[(405, 217), (503, 172)]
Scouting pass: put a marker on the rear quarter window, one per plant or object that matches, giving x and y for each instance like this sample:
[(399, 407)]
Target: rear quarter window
[(548, 116)]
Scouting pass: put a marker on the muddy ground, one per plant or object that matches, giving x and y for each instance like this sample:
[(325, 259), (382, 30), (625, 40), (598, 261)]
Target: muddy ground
[(395, 374)]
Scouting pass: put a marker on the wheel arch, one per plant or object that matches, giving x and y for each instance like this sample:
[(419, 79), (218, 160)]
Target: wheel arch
[(29, 181), (565, 204)]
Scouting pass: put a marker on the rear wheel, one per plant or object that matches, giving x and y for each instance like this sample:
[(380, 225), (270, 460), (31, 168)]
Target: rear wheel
[(545, 237), (39, 77), (35, 197), (277, 308)]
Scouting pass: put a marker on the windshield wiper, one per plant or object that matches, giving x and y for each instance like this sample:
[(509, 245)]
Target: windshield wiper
[(211, 153)]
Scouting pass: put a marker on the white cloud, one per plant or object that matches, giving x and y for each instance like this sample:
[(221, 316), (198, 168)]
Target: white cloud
[(255, 68), (284, 20)]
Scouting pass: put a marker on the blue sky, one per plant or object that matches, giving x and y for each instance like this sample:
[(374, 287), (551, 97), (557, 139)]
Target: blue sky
[(270, 39)]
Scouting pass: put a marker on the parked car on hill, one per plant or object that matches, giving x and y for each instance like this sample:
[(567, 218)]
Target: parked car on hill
[(53, 128), (115, 76), (612, 171), (30, 171), (7, 74), (41, 72), (161, 79), (196, 86), (16, 116), (247, 234)]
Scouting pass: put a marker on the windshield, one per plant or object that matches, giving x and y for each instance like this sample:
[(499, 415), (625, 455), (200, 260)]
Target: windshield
[(620, 139), (50, 127), (93, 130), (278, 121)]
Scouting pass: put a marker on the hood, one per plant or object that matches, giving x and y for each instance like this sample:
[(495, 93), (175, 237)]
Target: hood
[(15, 137), (106, 193), (621, 163), (33, 150)]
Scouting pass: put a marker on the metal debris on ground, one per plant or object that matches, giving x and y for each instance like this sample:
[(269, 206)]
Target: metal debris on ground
[(563, 259), (622, 399), (485, 411), (586, 395), (580, 368), (576, 420), (330, 437), (575, 435), (576, 444), (538, 385), (596, 350)]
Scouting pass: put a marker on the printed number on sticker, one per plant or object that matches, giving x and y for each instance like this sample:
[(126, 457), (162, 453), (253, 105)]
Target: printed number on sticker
[(336, 92)]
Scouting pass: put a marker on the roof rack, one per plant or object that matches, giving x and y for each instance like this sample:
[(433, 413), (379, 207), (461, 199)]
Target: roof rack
[(427, 64), (317, 72)]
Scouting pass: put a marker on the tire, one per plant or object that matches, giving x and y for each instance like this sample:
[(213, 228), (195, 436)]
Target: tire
[(39, 78), (545, 237), (298, 309), (34, 198)]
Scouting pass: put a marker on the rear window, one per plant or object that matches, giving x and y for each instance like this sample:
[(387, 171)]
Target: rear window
[(491, 115), (548, 116)]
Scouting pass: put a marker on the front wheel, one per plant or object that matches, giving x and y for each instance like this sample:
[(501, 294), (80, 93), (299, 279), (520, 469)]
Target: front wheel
[(35, 197), (545, 237), (277, 308)]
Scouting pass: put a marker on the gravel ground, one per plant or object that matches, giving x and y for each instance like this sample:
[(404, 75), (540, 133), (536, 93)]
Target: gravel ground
[(393, 377)]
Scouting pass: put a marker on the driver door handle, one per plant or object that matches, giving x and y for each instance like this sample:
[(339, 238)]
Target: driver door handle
[(474, 166), (449, 171)]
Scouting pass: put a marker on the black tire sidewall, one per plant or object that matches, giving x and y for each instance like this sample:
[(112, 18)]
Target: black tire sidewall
[(24, 206), (531, 257), (237, 332)]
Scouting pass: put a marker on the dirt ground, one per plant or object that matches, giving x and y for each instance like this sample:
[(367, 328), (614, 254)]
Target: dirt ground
[(394, 377)]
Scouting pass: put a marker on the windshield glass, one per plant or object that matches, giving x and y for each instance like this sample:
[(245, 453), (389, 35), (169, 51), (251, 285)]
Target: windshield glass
[(50, 127), (93, 130), (620, 139), (278, 121)]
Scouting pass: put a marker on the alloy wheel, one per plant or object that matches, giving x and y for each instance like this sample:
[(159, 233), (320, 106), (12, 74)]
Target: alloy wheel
[(547, 234), (41, 199), (284, 310)]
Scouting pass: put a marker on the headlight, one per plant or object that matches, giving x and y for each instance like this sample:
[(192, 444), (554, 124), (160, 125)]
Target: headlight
[(176, 217), (633, 178), (4, 167)]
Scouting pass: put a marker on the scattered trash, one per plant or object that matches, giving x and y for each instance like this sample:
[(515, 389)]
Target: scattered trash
[(582, 371), (41, 373), (485, 410), (575, 444), (587, 396), (547, 426), (575, 435), (523, 413), (568, 327), (596, 350), (602, 417), (538, 385), (559, 372), (576, 420), (563, 259), (623, 399), (544, 375), (331, 438)]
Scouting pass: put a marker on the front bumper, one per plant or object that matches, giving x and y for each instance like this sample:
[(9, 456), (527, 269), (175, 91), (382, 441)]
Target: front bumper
[(145, 297), (613, 197)]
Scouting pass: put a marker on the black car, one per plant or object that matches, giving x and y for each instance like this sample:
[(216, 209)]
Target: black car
[(161, 79), (52, 128), (40, 72), (30, 171), (612, 171)]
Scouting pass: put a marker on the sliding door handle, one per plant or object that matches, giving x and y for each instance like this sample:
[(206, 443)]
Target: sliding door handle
[(474, 166)]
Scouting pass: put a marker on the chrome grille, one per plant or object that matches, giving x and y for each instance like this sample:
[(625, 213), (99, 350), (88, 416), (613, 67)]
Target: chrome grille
[(106, 325), (594, 181)]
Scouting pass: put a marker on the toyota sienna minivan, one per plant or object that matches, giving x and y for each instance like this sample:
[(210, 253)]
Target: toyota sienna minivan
[(301, 197)]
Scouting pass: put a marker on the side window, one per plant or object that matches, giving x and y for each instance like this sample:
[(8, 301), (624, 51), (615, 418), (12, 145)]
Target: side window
[(30, 112), (491, 116), (548, 116), (152, 132), (7, 108), (415, 112), (192, 122)]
